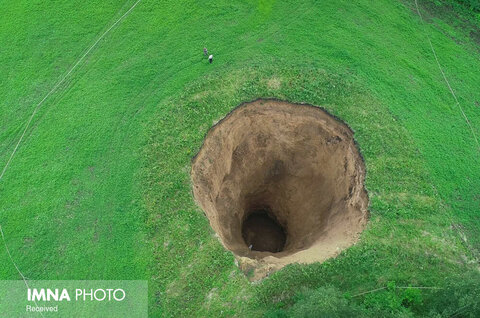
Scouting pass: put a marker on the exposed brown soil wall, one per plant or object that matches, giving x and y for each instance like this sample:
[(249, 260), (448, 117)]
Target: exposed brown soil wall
[(281, 183)]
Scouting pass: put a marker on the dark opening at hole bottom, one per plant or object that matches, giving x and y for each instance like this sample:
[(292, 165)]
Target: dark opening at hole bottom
[(263, 233)]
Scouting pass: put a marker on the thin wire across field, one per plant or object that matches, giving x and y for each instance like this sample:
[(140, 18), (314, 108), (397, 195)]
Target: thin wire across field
[(55, 87), (53, 90), (445, 77)]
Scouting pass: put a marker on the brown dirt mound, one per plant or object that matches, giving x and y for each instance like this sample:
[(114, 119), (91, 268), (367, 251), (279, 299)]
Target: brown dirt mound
[(281, 183)]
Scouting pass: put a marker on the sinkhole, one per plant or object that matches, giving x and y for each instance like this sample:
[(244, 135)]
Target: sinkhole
[(281, 183)]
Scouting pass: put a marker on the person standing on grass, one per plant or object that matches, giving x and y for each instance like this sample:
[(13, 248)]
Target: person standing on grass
[(210, 58), (205, 51)]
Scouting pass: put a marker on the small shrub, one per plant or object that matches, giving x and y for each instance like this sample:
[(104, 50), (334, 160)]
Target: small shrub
[(460, 298), (322, 302)]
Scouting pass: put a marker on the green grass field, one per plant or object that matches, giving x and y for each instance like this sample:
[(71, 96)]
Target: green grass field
[(100, 188)]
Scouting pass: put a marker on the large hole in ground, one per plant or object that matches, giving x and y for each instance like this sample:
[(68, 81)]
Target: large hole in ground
[(281, 183)]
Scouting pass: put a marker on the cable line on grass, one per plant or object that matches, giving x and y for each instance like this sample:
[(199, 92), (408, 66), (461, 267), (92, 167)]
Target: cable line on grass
[(33, 115), (459, 231), (16, 267), (396, 287), (445, 77), (60, 83)]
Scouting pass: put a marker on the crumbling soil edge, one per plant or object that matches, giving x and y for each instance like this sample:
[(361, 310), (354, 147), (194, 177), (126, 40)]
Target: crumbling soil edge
[(260, 267)]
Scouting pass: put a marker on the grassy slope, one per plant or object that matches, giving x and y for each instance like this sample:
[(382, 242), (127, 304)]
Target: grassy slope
[(101, 182)]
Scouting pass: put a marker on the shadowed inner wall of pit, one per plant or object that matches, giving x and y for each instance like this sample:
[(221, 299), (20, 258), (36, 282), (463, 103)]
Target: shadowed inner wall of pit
[(274, 177)]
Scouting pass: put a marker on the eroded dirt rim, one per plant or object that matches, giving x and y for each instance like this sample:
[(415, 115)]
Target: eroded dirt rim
[(273, 167)]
